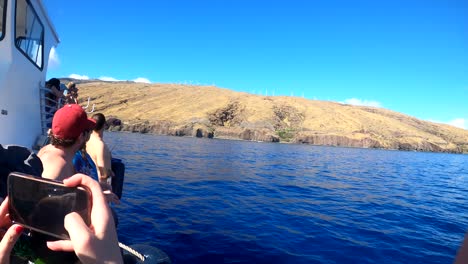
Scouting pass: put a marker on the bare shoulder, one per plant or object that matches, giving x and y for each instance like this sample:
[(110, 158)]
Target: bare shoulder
[(54, 162), (49, 153), (46, 152), (95, 141), (43, 151)]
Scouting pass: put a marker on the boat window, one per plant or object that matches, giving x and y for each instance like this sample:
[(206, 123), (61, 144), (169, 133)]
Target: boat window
[(29, 33), (2, 18)]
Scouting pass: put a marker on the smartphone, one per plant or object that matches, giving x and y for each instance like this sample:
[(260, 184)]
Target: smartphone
[(42, 204)]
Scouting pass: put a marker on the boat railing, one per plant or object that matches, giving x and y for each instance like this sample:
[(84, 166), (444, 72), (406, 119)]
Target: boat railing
[(87, 105), (48, 108)]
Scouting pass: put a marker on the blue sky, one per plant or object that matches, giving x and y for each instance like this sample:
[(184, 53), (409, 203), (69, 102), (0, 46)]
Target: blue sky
[(409, 56)]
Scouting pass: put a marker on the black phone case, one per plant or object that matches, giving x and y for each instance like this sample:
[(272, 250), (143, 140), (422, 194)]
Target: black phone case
[(41, 204)]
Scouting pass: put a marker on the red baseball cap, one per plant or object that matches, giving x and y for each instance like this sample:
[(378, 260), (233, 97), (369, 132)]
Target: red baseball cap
[(70, 121)]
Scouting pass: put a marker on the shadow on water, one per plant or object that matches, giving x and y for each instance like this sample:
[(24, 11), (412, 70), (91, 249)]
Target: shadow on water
[(218, 201)]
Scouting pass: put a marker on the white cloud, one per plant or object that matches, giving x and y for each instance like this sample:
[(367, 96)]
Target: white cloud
[(458, 122), (54, 60), (78, 77), (355, 101), (141, 80), (108, 79)]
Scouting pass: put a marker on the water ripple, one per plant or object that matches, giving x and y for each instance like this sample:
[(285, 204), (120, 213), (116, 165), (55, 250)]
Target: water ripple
[(217, 201)]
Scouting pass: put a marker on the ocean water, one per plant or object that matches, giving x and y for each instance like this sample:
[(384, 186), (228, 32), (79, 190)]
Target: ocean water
[(220, 201)]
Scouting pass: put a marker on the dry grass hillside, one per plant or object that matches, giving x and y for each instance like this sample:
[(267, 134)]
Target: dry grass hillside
[(208, 111)]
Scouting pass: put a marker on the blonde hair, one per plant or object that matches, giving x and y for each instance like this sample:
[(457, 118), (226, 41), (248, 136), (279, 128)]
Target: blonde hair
[(71, 85)]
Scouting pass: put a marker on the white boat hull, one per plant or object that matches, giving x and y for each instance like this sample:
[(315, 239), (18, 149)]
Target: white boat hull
[(21, 81)]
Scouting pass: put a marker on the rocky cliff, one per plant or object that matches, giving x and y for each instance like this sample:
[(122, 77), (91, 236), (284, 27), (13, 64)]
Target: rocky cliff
[(208, 111)]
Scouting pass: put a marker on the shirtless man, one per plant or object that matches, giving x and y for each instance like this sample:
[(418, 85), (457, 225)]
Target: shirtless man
[(71, 129), (99, 151)]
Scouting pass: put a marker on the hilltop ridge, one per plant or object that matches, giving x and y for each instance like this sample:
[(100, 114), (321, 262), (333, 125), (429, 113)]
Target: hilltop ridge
[(209, 111)]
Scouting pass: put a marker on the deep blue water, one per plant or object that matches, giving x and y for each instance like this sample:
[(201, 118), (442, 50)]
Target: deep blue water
[(219, 201)]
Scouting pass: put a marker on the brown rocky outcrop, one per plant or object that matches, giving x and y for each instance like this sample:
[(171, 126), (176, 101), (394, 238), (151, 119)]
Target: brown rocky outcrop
[(336, 140), (113, 121), (246, 134)]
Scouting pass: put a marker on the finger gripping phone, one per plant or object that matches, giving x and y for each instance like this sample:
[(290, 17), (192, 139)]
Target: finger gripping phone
[(42, 204)]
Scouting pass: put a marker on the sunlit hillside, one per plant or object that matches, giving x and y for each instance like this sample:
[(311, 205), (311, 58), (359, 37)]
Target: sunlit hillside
[(208, 111)]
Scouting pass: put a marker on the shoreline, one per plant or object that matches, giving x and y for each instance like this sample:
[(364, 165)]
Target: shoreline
[(113, 130)]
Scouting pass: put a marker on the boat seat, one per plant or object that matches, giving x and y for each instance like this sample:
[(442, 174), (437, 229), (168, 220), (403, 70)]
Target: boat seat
[(19, 159)]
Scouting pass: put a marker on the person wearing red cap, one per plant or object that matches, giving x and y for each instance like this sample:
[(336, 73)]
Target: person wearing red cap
[(71, 128)]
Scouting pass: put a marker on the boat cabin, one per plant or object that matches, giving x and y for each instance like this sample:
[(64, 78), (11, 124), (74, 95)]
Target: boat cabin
[(26, 39)]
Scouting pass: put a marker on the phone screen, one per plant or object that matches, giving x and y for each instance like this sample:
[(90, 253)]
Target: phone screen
[(42, 204)]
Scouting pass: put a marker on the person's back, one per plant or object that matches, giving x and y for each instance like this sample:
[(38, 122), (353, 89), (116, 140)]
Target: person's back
[(70, 131), (56, 163), (96, 146), (99, 151)]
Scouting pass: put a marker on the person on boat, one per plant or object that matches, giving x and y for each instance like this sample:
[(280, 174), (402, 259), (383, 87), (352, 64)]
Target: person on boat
[(53, 96), (72, 93), (99, 151), (98, 244), (71, 128)]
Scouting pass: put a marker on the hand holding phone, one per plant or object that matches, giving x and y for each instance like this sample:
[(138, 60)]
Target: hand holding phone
[(96, 245), (42, 204)]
